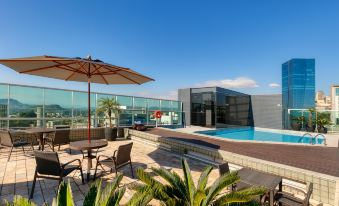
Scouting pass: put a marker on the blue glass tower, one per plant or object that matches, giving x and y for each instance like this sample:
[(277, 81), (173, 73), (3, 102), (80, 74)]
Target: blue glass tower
[(298, 86)]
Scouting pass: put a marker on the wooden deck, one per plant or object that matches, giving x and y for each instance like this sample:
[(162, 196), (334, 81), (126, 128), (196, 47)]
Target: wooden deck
[(320, 159)]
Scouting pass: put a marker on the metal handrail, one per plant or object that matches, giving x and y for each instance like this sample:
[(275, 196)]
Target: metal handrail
[(324, 137)]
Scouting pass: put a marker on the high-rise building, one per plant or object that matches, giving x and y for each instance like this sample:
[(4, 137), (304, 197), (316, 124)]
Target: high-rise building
[(335, 103), (298, 86)]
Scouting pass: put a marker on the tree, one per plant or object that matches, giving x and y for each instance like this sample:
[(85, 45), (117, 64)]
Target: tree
[(183, 192), (109, 106)]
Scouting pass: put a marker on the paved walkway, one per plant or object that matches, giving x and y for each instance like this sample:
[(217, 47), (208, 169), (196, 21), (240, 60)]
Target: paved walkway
[(16, 175), (315, 158)]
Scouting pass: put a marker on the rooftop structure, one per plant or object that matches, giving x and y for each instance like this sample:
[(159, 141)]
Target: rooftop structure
[(298, 86)]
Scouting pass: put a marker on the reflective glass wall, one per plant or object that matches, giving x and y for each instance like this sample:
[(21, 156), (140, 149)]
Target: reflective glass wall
[(26, 106)]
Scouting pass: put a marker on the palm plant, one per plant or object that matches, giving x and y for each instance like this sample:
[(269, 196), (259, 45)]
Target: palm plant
[(310, 118), (109, 196), (109, 106), (184, 192), (20, 201)]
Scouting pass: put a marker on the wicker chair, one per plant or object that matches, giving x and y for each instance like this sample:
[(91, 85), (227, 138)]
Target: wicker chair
[(48, 166), (283, 198), (58, 138), (120, 158), (6, 140)]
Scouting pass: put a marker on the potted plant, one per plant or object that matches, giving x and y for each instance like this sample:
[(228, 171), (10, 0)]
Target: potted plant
[(323, 120), (109, 106), (297, 122), (310, 127)]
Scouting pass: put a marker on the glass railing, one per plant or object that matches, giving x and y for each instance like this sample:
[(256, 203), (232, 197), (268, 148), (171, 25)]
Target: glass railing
[(28, 106), (321, 121)]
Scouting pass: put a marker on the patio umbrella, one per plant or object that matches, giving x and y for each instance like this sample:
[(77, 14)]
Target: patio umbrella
[(76, 69)]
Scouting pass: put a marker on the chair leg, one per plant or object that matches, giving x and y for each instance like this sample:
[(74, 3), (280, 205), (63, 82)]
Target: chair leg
[(82, 176), (130, 164), (95, 171), (23, 149), (33, 185), (59, 148), (70, 151), (10, 153)]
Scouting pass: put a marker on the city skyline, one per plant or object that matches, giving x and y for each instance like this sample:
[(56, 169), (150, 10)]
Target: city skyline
[(179, 44)]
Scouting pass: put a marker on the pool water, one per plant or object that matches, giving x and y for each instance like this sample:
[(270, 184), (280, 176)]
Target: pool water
[(262, 135)]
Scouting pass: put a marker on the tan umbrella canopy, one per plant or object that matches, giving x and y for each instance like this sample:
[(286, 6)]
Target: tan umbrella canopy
[(76, 69)]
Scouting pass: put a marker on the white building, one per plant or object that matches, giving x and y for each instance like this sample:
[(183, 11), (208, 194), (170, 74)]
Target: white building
[(335, 103)]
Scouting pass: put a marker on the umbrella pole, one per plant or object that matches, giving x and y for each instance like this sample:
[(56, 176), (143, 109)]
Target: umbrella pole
[(89, 110)]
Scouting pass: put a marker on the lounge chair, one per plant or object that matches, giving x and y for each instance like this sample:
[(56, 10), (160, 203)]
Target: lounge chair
[(120, 158), (283, 198), (48, 166), (6, 140)]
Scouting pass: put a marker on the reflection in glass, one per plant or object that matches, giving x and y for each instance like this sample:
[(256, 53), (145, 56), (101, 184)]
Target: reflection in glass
[(153, 104), (3, 101), (38, 107), (125, 102), (58, 103)]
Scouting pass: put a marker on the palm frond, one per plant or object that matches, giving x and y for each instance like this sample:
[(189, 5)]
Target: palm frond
[(65, 197), (20, 201), (222, 182), (108, 192), (90, 197), (140, 199), (178, 186), (199, 196), (116, 197), (245, 195), (188, 180), (204, 178)]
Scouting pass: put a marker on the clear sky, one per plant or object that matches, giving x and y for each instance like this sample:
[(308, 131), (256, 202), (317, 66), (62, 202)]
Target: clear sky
[(239, 44)]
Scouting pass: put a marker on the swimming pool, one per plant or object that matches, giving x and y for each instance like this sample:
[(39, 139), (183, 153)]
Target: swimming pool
[(252, 134)]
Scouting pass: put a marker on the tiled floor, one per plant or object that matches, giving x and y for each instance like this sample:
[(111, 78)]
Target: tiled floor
[(16, 175)]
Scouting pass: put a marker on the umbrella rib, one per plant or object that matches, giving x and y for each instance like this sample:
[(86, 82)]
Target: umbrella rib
[(131, 71), (71, 68), (96, 69), (42, 68), (128, 78)]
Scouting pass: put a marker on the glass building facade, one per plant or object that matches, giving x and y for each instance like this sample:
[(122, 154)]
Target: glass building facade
[(298, 86), (218, 107), (27, 106)]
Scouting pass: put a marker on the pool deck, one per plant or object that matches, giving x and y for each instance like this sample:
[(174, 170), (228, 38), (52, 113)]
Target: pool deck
[(319, 159)]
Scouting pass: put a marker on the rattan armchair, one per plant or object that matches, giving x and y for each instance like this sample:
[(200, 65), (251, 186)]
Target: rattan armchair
[(120, 158), (58, 138), (48, 166), (6, 140)]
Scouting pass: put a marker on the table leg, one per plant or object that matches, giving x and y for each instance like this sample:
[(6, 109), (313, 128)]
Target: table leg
[(272, 198), (89, 163), (42, 141)]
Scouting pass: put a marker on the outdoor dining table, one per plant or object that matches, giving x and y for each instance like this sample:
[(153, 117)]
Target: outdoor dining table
[(257, 178), (89, 146), (41, 134)]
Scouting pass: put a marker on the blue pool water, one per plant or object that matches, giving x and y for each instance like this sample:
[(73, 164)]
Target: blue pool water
[(252, 134)]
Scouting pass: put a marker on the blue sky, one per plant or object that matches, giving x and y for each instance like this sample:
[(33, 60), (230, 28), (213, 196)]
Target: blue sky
[(240, 44)]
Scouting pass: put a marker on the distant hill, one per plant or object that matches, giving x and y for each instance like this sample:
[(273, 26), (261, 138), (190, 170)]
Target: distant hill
[(15, 105)]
